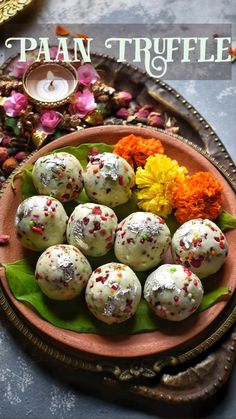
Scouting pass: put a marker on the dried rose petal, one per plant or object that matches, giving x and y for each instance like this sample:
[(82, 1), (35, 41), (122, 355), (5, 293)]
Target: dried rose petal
[(4, 239), (122, 113), (155, 120), (62, 31), (83, 36), (232, 52)]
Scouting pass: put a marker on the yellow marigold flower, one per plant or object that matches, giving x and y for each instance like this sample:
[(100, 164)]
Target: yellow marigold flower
[(156, 182)]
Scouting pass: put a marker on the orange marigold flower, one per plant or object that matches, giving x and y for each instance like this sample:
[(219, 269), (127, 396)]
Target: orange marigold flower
[(199, 196), (136, 149)]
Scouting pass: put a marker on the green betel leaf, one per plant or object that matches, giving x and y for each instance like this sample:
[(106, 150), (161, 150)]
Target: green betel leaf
[(27, 186), (122, 211), (226, 221), (71, 315), (212, 297), (74, 315)]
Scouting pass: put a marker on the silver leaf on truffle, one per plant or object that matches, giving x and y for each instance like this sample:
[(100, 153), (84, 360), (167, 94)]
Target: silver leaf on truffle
[(45, 178), (118, 300), (187, 239), (111, 166), (150, 229), (56, 165), (24, 210), (67, 267)]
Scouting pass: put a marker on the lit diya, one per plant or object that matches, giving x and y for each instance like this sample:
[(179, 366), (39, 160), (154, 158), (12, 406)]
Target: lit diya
[(50, 84)]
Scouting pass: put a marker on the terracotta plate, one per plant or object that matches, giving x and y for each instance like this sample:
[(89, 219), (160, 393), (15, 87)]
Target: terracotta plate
[(172, 335)]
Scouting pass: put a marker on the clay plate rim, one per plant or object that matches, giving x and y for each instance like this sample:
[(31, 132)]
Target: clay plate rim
[(145, 344)]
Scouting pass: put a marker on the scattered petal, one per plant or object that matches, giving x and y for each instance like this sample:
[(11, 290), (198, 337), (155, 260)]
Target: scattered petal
[(4, 239), (82, 35), (62, 31)]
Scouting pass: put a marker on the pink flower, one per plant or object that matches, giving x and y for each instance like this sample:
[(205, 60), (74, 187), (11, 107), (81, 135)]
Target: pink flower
[(87, 75), (123, 98), (48, 121), (19, 67), (83, 103), (53, 54), (14, 104)]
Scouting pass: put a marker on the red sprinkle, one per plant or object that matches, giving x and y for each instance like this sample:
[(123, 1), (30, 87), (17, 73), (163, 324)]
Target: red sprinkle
[(86, 220), (97, 211), (120, 180), (37, 229), (97, 225), (187, 271)]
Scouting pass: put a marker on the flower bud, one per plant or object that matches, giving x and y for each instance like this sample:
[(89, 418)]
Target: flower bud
[(143, 112), (9, 165), (6, 141), (155, 120), (122, 98), (12, 151), (3, 154), (4, 239), (122, 113), (20, 156)]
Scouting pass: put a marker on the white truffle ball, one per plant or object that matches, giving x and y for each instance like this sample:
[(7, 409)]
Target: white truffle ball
[(113, 293), (142, 240), (40, 222), (91, 228), (200, 246), (59, 175), (173, 292), (62, 272), (108, 179)]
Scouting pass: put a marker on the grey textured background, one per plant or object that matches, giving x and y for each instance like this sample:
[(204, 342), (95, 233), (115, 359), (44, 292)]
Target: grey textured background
[(28, 387)]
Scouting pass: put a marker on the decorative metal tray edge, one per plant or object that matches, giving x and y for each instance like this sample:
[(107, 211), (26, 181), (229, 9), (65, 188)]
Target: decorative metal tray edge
[(10, 8), (142, 368)]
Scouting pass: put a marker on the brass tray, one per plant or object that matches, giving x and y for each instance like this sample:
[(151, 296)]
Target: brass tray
[(10, 8), (206, 142)]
